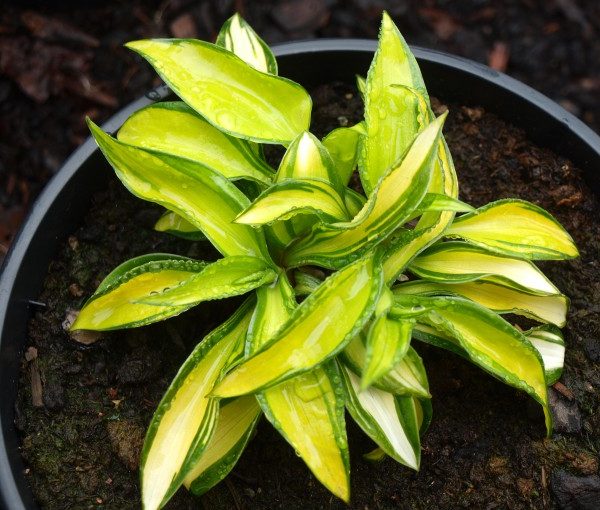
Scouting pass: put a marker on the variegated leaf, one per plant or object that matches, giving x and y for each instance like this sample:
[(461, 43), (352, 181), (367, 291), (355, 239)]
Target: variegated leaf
[(114, 304), (174, 128), (229, 276), (185, 419), (393, 115), (236, 422), (456, 262), (516, 228), (237, 36), (549, 342), (391, 421), (306, 410), (228, 92), (396, 196), (291, 197), (490, 342), (199, 194), (500, 299), (318, 329)]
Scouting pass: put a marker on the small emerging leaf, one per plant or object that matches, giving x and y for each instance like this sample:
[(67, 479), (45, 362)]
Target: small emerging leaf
[(174, 224), (516, 228), (433, 202), (228, 92), (408, 377), (237, 36), (307, 158), (388, 340), (342, 144), (387, 343)]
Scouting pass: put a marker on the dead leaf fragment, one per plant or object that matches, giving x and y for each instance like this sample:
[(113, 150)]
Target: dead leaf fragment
[(82, 336), (53, 29), (184, 27), (499, 56)]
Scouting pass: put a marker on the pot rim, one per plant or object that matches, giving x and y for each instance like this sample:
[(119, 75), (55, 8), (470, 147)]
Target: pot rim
[(12, 482)]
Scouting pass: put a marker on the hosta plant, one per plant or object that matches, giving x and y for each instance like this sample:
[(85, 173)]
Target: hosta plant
[(341, 284)]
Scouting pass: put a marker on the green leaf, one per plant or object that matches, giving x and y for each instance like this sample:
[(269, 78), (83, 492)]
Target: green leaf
[(114, 306), (490, 342), (235, 425), (393, 115), (408, 377), (456, 262), (172, 223), (185, 419), (200, 195), (229, 276), (391, 421), (227, 92), (361, 84), (516, 228), (306, 409), (318, 329), (376, 455), (498, 298), (396, 196), (291, 197), (305, 283), (354, 201), (549, 342), (237, 36), (342, 144), (424, 413), (174, 128)]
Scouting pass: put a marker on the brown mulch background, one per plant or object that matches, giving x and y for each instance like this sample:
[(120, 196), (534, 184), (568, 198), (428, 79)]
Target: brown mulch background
[(61, 61)]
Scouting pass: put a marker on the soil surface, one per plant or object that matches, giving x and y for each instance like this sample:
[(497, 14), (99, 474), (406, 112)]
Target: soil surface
[(63, 60), (82, 410)]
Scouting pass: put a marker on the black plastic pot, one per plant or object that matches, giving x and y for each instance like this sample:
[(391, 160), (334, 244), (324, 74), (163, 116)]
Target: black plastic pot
[(58, 210)]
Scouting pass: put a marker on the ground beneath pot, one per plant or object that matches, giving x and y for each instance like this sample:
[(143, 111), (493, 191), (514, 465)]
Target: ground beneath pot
[(82, 410)]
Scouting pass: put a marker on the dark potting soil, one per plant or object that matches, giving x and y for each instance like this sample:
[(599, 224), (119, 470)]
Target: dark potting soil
[(82, 410)]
